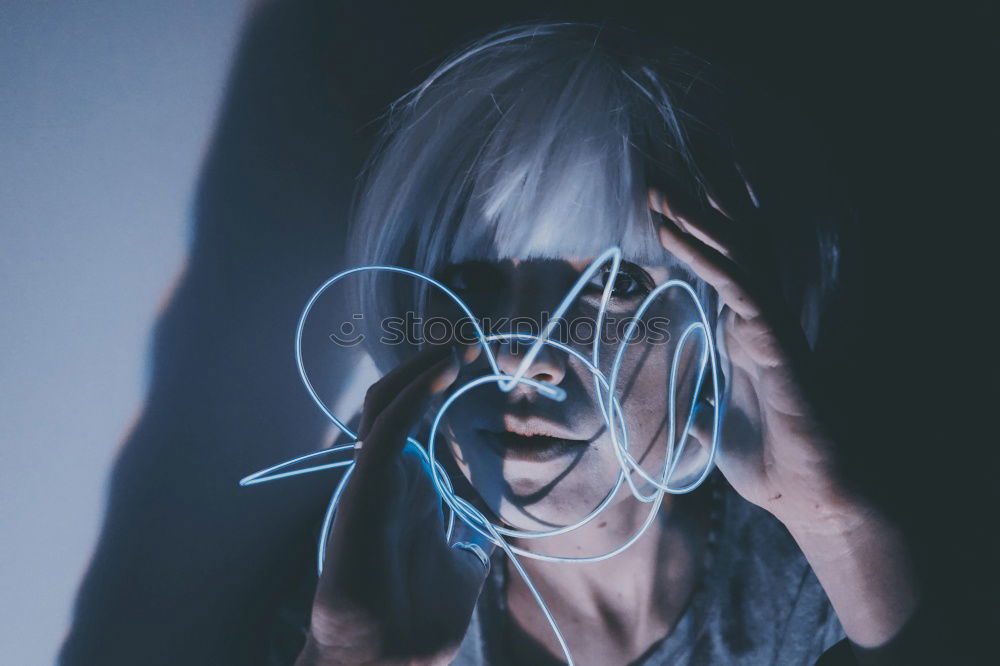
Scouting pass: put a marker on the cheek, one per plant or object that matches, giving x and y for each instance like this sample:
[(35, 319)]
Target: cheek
[(641, 391), (644, 394)]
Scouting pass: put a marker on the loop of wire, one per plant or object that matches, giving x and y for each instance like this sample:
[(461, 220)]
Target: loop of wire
[(606, 402)]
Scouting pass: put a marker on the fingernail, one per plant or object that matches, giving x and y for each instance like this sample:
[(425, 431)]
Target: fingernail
[(471, 353), (450, 369), (454, 362)]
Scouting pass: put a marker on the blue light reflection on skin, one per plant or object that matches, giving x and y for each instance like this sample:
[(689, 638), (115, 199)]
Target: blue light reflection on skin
[(465, 511)]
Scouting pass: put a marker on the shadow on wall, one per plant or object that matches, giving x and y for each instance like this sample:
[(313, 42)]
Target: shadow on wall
[(189, 565)]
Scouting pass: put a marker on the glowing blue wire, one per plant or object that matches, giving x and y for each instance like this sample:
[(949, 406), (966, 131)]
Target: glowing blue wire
[(265, 475), (548, 390), (464, 510)]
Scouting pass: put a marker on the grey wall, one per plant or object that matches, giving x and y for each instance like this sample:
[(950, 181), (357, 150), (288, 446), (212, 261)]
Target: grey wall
[(105, 112)]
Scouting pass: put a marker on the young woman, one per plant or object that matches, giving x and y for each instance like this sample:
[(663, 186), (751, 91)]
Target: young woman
[(504, 175)]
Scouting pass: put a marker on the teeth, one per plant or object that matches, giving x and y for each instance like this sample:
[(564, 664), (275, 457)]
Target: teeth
[(530, 433)]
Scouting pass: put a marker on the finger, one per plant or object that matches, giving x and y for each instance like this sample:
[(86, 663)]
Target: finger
[(382, 392), (727, 188), (384, 518), (711, 266), (392, 425), (708, 225), (718, 174), (471, 549), (375, 497), (469, 353)]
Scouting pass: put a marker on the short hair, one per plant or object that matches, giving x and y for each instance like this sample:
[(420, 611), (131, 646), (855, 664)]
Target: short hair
[(542, 140)]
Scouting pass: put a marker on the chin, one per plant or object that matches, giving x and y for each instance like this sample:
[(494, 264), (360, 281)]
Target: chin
[(552, 496)]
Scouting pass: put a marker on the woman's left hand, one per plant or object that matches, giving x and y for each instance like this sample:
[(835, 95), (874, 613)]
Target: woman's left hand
[(776, 451)]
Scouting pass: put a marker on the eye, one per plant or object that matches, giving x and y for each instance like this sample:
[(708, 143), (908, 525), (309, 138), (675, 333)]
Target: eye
[(630, 282), (471, 276)]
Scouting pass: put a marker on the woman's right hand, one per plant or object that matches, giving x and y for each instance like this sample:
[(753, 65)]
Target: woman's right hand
[(392, 590)]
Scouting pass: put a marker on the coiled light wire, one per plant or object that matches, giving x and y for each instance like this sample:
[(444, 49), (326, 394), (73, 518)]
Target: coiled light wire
[(607, 402)]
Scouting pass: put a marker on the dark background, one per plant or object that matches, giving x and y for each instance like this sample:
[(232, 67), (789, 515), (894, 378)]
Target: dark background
[(900, 94)]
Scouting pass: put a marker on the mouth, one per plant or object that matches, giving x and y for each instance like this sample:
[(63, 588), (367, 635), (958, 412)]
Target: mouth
[(533, 447)]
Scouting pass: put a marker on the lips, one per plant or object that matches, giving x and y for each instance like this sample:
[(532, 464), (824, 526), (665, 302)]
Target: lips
[(533, 426), (531, 445)]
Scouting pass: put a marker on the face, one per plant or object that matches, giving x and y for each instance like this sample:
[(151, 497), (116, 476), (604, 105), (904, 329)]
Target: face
[(539, 463)]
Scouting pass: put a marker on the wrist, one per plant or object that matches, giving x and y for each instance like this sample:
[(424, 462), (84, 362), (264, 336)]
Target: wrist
[(833, 515), (820, 506), (313, 654), (317, 653), (835, 532)]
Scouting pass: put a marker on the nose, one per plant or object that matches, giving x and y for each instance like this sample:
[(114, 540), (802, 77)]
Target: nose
[(535, 287), (549, 365)]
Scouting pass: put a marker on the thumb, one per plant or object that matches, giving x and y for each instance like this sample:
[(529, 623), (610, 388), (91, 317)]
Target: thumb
[(472, 549)]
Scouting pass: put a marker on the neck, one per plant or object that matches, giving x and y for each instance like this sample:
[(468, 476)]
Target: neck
[(628, 601)]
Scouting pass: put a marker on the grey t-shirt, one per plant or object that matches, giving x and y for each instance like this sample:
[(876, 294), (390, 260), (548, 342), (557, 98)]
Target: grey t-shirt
[(757, 603)]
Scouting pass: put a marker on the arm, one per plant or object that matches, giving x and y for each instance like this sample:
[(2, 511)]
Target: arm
[(862, 560)]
